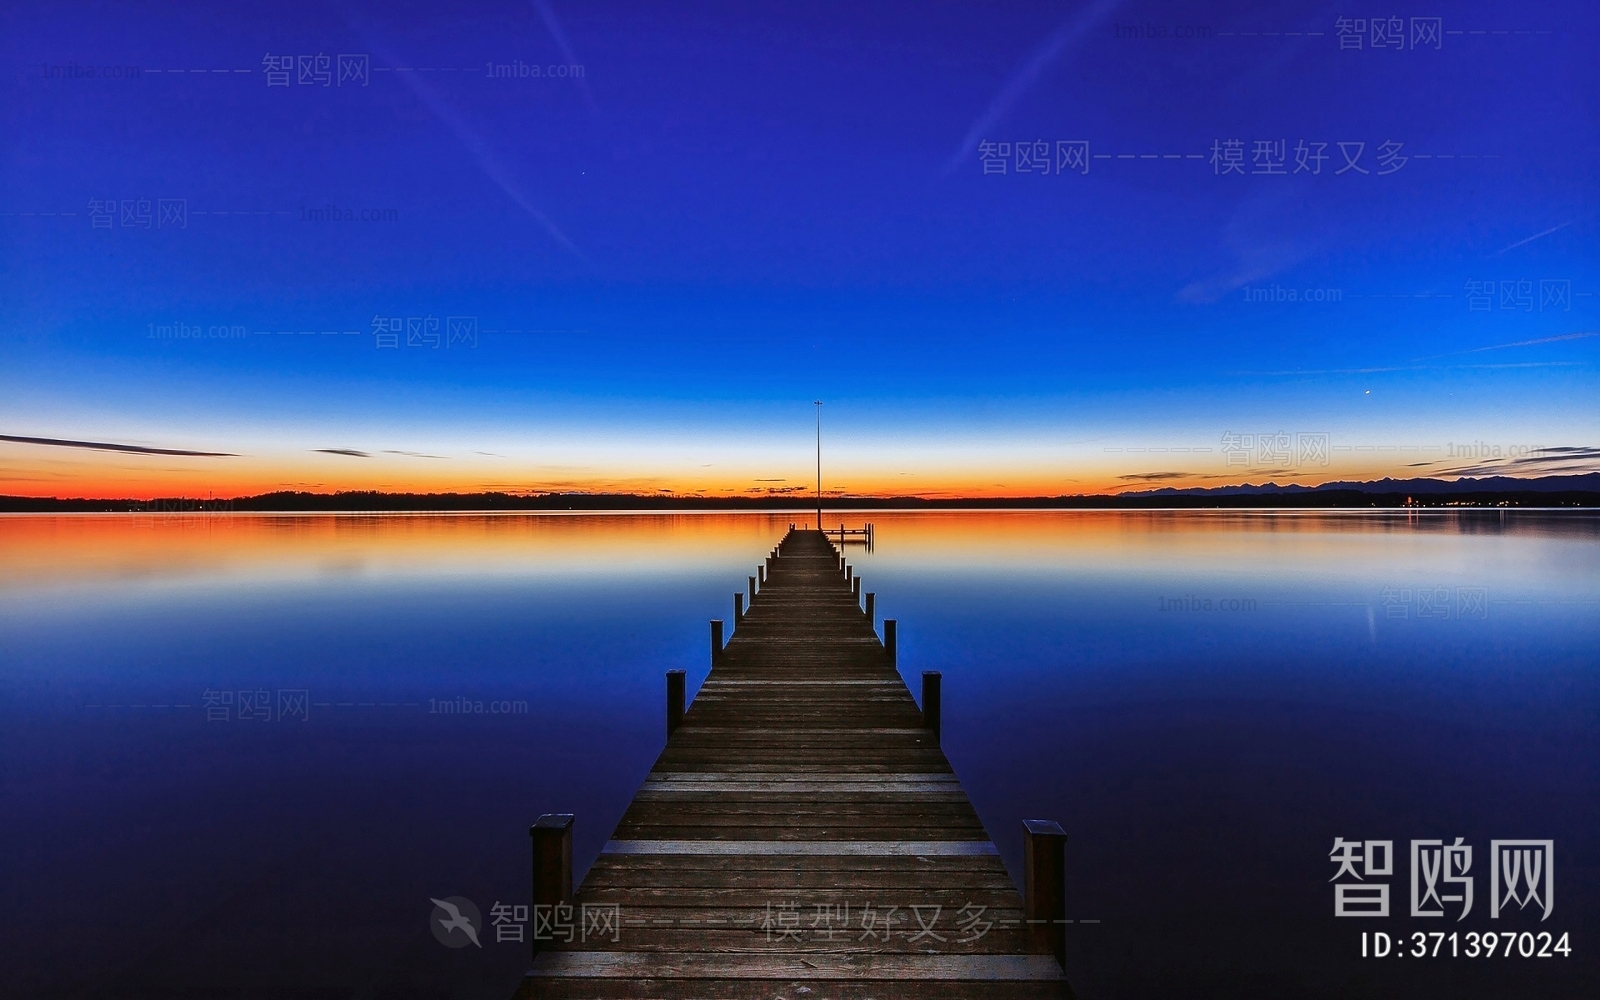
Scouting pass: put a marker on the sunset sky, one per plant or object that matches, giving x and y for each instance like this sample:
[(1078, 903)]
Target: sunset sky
[(624, 247)]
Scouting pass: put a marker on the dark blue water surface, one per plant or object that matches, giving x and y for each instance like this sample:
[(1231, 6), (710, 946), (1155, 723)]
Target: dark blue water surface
[(1204, 700)]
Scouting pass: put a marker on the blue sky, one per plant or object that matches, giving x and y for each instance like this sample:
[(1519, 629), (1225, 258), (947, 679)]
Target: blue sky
[(737, 209)]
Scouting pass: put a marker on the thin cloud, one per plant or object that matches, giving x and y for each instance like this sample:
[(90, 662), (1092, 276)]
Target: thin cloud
[(1581, 335), (1547, 461), (553, 25), (1155, 477), (349, 452), (1027, 75), (1412, 368), (410, 454), (485, 157), (1254, 237), (132, 449), (1537, 236)]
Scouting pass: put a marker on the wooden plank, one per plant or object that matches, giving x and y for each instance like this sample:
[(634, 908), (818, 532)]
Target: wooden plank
[(845, 965), (896, 848)]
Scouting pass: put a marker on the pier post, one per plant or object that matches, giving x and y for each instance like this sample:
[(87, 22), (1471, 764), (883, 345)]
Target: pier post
[(552, 863), (888, 639), (752, 591), (931, 681), (716, 640), (871, 617), (855, 590), (849, 572), (761, 573), (738, 609), (1044, 888), (675, 693)]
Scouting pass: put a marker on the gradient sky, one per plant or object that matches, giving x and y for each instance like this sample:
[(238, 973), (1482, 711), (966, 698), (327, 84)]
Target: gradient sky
[(740, 208)]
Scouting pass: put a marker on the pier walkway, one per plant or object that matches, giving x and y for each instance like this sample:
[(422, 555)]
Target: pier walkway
[(802, 834)]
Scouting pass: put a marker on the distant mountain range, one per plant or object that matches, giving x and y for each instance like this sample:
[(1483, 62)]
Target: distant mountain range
[(1589, 482)]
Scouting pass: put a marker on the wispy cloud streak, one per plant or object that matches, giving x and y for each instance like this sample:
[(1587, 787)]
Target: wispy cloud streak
[(1027, 75), (553, 25), (132, 449)]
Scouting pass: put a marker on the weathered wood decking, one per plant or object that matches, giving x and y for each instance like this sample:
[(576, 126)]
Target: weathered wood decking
[(802, 834)]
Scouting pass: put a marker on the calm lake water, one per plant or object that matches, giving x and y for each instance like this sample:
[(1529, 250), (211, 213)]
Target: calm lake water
[(226, 771)]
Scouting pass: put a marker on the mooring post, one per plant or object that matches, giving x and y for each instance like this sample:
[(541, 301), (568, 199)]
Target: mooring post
[(752, 591), (552, 864), (931, 680), (855, 590), (738, 609), (675, 691), (888, 638), (761, 573), (1044, 889), (871, 618), (716, 640), (849, 573)]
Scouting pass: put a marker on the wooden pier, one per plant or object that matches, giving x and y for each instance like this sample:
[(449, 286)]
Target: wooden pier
[(841, 536), (801, 835)]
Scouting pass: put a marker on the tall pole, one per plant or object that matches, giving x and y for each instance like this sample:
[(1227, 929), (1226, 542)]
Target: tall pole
[(819, 464)]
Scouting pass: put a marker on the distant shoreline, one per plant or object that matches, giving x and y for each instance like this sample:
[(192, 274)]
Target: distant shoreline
[(1383, 496)]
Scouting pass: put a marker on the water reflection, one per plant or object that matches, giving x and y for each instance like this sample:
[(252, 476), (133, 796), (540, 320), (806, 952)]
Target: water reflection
[(1204, 699)]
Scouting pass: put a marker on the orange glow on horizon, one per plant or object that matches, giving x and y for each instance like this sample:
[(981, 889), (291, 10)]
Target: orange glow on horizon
[(41, 472)]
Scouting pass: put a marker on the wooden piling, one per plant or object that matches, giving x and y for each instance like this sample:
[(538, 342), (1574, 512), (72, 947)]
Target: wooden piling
[(752, 591), (931, 682), (888, 639), (716, 640), (855, 590), (738, 610), (1044, 888), (551, 835), (675, 696), (871, 615)]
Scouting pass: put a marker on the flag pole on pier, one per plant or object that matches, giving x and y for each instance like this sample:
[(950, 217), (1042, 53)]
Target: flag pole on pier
[(819, 464)]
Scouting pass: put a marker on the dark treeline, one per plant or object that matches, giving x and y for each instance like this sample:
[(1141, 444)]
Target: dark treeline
[(355, 501)]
